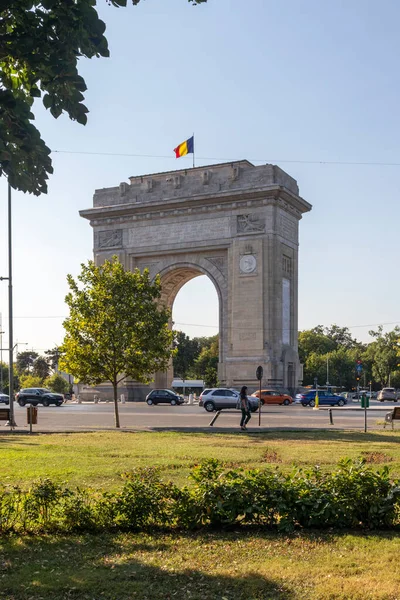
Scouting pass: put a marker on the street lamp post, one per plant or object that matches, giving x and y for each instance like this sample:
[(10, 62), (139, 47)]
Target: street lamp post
[(10, 313)]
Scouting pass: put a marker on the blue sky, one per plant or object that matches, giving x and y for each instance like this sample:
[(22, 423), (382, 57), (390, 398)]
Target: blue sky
[(285, 82)]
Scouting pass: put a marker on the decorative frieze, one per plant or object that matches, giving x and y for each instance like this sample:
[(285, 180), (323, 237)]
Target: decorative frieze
[(250, 223), (110, 239)]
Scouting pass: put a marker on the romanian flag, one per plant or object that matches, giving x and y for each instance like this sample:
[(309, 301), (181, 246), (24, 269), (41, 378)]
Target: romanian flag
[(185, 148)]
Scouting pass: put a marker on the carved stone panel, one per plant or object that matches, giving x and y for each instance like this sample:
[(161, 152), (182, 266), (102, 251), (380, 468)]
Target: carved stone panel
[(110, 239), (250, 223)]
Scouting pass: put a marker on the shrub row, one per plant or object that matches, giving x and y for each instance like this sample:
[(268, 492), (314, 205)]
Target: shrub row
[(352, 496)]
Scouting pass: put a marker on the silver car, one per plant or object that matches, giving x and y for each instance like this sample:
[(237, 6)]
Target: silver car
[(219, 398), (387, 394)]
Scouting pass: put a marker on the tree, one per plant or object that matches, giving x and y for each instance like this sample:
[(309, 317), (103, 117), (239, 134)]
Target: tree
[(57, 383), (206, 364), (211, 377), (26, 360), (53, 357), (187, 351), (41, 368), (314, 341), (41, 42), (341, 337), (6, 388), (384, 353), (115, 328), (27, 380)]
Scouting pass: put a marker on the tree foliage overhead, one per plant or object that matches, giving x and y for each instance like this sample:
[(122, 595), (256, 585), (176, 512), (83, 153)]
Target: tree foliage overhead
[(115, 328), (41, 42)]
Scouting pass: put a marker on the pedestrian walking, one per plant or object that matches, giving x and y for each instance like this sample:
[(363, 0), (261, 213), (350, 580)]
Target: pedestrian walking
[(245, 408)]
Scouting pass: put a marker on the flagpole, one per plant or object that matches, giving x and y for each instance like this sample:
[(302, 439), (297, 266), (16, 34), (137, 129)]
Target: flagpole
[(193, 150)]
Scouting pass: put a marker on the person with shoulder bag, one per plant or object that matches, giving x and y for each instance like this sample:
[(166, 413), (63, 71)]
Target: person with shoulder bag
[(245, 408)]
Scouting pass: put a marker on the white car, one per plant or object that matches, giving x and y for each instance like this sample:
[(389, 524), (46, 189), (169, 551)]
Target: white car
[(387, 394), (218, 398)]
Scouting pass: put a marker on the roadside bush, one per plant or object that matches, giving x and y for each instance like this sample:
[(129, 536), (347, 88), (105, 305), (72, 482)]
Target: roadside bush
[(353, 496), (145, 500)]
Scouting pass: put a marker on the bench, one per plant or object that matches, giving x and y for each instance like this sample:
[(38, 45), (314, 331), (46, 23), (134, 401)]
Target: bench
[(393, 415)]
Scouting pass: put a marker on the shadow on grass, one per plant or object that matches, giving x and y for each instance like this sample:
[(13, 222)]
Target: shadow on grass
[(255, 436), (129, 566), (292, 434)]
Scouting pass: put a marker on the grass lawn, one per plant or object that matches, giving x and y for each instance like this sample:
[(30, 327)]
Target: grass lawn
[(97, 459), (222, 565), (226, 566)]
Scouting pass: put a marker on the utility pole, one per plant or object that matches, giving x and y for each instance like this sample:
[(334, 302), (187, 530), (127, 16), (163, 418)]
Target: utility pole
[(10, 314)]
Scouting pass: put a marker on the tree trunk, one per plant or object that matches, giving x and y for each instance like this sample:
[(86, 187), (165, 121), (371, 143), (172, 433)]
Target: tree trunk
[(116, 412)]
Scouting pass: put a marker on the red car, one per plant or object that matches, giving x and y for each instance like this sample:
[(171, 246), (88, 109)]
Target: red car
[(273, 397)]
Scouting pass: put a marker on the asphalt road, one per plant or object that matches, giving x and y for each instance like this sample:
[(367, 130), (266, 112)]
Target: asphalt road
[(140, 416)]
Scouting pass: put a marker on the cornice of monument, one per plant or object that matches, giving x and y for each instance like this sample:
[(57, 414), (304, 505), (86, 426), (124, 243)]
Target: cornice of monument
[(226, 200)]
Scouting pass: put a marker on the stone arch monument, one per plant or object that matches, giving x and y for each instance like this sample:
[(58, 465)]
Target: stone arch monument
[(234, 222)]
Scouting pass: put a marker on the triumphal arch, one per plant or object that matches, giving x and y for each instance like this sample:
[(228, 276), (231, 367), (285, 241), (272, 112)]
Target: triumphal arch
[(234, 222)]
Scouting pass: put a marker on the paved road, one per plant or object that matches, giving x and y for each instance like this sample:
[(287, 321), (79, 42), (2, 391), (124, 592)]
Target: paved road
[(88, 416)]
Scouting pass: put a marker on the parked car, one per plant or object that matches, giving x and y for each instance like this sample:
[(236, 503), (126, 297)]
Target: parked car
[(163, 397), (387, 394), (273, 397), (37, 396), (219, 398), (324, 398), (4, 399)]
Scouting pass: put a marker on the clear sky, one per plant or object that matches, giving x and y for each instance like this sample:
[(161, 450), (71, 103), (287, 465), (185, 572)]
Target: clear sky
[(263, 80)]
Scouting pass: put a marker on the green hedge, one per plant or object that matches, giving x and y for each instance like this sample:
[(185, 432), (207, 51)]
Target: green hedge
[(352, 496)]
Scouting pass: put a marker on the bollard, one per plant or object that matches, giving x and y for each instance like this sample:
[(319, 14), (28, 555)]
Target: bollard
[(122, 398), (190, 399), (79, 399)]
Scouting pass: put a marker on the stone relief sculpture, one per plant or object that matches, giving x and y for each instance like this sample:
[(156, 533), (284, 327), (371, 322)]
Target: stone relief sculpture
[(110, 239), (249, 223)]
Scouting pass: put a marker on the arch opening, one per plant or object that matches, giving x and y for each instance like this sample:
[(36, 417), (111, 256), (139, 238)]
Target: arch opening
[(194, 298)]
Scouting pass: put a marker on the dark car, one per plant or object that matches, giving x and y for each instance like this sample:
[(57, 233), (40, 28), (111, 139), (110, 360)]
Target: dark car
[(163, 397), (4, 399), (37, 396), (324, 398)]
